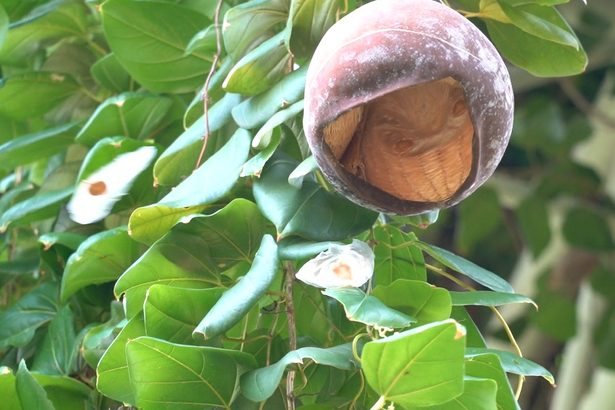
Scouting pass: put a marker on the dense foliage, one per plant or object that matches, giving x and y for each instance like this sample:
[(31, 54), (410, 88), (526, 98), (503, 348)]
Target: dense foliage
[(184, 296)]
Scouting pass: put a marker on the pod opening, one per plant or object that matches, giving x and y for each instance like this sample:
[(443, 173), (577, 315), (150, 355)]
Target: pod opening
[(414, 143)]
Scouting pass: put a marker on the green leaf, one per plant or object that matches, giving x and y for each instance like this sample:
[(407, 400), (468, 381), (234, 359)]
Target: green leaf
[(31, 393), (191, 375), (58, 351), (178, 161), (467, 268), (294, 248), (65, 392), (8, 392), (254, 166), (53, 20), (587, 229), (133, 115), (539, 57), (32, 311), (478, 394), (4, 25), (310, 19), (306, 166), (309, 212), (103, 257), (211, 182), (194, 253), (261, 68), (514, 364), (416, 298), (488, 366), (488, 298), (367, 309), (28, 95), (34, 147), (166, 319), (109, 73), (239, 299), (397, 257), (255, 111), (263, 137), (69, 239), (40, 206), (483, 206), (515, 3), (423, 366), (204, 40), (534, 223), (98, 338), (247, 25), (543, 22), (260, 384), (152, 52), (112, 378)]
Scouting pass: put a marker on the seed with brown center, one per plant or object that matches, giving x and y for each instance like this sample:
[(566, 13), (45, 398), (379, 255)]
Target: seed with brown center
[(98, 188)]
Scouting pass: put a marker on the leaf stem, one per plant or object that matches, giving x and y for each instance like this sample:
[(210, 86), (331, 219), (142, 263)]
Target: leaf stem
[(292, 332), (496, 312), (379, 404), (212, 70)]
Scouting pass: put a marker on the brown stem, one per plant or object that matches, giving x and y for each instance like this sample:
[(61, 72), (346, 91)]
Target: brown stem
[(292, 333), (212, 70)]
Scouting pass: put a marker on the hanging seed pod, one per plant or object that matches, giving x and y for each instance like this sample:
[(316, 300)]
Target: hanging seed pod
[(408, 106)]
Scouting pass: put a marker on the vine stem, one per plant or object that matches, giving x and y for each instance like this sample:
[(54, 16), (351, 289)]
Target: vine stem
[(498, 315), (212, 70), (292, 333)]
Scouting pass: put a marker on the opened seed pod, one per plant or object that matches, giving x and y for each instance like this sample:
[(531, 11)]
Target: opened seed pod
[(408, 106)]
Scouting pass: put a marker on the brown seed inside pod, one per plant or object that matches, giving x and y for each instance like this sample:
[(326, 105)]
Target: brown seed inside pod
[(414, 143)]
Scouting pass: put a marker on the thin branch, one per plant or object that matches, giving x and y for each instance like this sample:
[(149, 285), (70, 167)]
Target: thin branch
[(212, 70), (292, 333)]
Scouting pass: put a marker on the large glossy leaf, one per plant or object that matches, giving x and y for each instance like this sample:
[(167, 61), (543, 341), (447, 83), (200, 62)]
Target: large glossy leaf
[(152, 51), (254, 167), (57, 353), (261, 68), (540, 57), (211, 182), (109, 73), (178, 161), (488, 366), (260, 384), (54, 20), (166, 375), (239, 299), (488, 298), (310, 19), (34, 147), (478, 394), (294, 248), (31, 393), (38, 207), (416, 298), (248, 24), (397, 257), (134, 115), (419, 367), (467, 268), (195, 253), (543, 22), (166, 319), (103, 257), (65, 392), (33, 310), (8, 392), (309, 212), (112, 378), (264, 134), (28, 95), (255, 111), (512, 363), (367, 309)]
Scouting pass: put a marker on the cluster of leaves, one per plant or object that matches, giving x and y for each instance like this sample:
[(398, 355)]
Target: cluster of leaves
[(210, 314)]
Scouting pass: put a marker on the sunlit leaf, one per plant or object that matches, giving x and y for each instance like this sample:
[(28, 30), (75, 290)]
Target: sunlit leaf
[(31, 393), (488, 298), (397, 256), (416, 298), (488, 366), (515, 364)]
